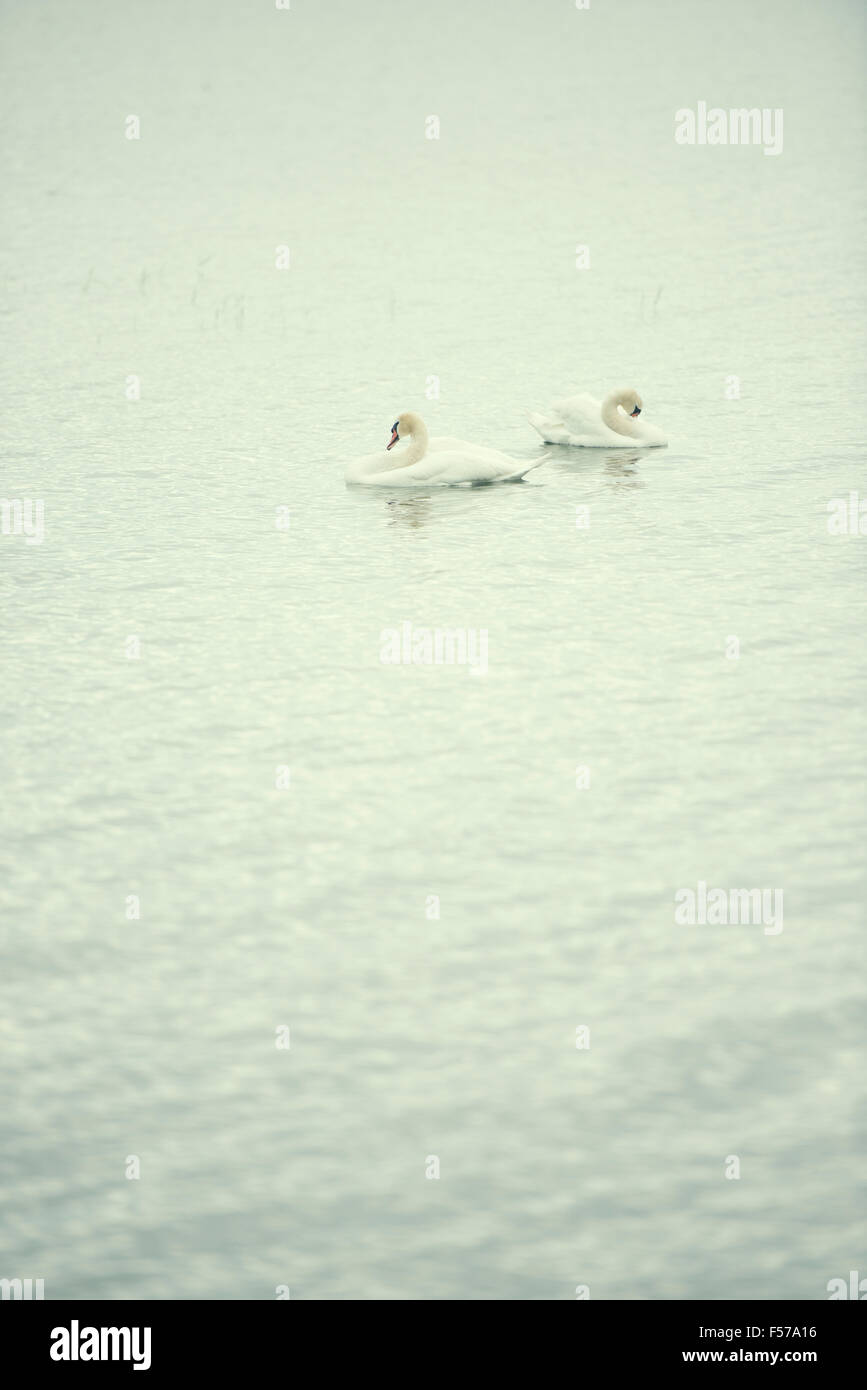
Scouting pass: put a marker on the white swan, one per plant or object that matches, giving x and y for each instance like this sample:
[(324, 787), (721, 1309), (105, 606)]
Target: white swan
[(584, 423), (441, 462)]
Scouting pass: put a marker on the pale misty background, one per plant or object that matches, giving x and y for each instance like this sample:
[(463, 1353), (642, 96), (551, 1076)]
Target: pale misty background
[(306, 907)]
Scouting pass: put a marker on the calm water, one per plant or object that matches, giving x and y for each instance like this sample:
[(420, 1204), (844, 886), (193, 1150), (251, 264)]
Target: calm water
[(417, 790)]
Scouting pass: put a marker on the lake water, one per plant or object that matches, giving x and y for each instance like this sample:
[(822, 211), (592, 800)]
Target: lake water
[(227, 817)]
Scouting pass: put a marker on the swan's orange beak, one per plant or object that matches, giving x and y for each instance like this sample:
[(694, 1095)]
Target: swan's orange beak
[(394, 437)]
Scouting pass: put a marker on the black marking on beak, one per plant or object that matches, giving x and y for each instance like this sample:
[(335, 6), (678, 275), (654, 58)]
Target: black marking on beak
[(636, 411)]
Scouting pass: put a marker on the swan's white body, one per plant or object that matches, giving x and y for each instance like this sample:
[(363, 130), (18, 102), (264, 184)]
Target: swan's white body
[(586, 423), (441, 462)]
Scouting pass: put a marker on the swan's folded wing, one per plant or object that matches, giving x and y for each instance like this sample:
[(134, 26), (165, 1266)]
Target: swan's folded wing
[(441, 442), (580, 414), (472, 464)]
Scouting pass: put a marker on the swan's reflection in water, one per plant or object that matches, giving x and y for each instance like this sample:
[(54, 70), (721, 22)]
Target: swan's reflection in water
[(415, 511), (420, 510), (409, 512), (619, 468)]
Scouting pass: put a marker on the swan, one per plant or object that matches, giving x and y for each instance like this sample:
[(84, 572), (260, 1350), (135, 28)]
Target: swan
[(441, 462), (584, 423)]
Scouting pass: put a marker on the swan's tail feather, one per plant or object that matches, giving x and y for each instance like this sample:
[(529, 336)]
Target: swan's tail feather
[(526, 468), (551, 431)]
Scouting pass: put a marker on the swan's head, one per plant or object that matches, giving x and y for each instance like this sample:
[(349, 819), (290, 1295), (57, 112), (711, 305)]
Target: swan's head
[(631, 401), (407, 423)]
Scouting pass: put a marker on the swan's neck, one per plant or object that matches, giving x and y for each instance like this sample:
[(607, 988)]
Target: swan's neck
[(417, 446), (612, 417)]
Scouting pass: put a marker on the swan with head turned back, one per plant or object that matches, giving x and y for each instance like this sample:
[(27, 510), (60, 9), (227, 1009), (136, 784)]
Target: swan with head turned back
[(440, 462), (585, 423)]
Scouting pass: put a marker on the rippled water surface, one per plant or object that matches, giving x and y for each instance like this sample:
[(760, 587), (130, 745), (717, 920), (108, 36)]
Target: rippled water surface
[(465, 868)]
